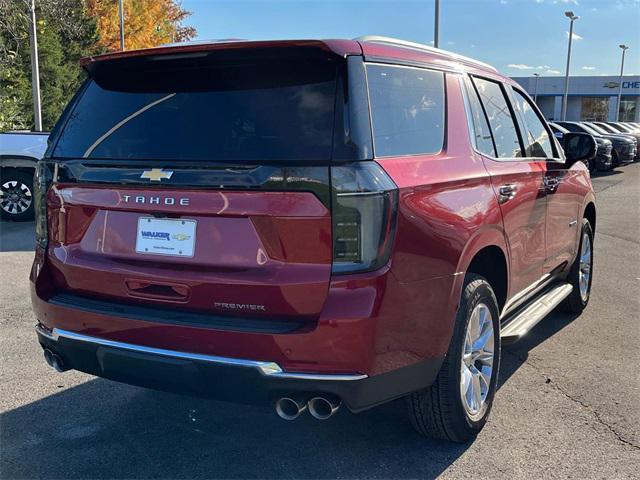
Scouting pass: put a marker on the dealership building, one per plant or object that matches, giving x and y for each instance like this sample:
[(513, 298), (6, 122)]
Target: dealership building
[(589, 99)]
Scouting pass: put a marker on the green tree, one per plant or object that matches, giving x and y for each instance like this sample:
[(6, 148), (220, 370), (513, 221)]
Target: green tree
[(68, 30), (14, 84), (65, 34)]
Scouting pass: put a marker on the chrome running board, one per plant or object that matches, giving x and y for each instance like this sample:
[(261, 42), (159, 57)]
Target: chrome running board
[(518, 324)]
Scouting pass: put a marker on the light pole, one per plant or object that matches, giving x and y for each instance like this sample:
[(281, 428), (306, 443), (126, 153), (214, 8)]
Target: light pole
[(121, 13), (35, 70), (535, 88), (573, 18), (624, 49), (436, 26)]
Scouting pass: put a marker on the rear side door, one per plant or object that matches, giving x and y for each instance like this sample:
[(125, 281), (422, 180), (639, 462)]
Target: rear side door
[(564, 187), (518, 181)]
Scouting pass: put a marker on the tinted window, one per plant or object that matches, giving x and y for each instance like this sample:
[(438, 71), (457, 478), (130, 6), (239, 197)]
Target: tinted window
[(572, 127), (594, 128), (479, 127), (535, 137), (245, 112), (606, 128), (621, 128), (503, 128), (407, 110)]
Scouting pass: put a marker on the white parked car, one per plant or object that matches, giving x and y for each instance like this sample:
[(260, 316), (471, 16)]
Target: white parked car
[(19, 152)]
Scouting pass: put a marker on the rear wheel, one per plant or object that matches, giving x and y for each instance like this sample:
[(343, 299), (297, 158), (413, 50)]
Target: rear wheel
[(581, 273), (16, 195), (457, 405)]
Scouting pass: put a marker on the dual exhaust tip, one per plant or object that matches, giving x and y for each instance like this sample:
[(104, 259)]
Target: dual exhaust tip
[(320, 408), (54, 361)]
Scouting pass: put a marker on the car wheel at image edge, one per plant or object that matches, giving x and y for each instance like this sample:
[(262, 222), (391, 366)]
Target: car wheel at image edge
[(581, 273), (457, 405), (16, 195)]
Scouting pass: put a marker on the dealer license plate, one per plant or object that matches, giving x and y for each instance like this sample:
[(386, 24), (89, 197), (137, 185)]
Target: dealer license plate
[(162, 236)]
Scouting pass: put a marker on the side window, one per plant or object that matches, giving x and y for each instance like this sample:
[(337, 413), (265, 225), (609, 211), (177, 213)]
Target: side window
[(571, 127), (478, 126), (407, 110), (502, 125), (535, 136)]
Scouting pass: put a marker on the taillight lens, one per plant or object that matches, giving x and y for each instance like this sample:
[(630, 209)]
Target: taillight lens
[(41, 184), (364, 210)]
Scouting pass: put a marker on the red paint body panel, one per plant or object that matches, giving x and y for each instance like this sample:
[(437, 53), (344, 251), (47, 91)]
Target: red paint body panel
[(93, 238), (565, 204), (524, 218), (357, 331)]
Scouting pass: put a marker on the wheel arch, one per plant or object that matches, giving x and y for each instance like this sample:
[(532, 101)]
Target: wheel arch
[(590, 214), (20, 162), (486, 255), (491, 263)]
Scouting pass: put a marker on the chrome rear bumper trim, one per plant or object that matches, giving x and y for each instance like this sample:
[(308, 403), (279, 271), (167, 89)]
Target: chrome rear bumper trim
[(270, 369)]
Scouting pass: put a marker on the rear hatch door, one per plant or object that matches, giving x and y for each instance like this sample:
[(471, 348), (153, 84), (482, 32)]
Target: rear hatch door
[(199, 184)]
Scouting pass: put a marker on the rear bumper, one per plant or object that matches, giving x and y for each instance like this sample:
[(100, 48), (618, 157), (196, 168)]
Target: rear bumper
[(223, 378)]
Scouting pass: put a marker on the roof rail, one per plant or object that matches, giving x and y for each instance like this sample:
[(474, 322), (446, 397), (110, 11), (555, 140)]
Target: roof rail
[(204, 41), (425, 48)]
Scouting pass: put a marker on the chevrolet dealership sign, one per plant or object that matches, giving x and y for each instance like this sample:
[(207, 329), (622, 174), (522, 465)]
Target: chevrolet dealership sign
[(583, 86), (624, 84)]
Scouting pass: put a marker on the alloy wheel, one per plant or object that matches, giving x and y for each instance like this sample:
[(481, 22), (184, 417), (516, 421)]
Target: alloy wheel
[(476, 366), (15, 197), (584, 273)]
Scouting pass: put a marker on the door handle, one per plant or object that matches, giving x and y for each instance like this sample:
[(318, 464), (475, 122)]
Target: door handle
[(506, 192)]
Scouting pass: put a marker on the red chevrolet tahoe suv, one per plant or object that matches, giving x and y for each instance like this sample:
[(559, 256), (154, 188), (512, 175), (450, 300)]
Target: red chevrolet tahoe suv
[(307, 223)]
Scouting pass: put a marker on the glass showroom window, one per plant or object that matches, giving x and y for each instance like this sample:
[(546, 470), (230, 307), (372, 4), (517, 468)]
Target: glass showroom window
[(595, 109), (627, 111)]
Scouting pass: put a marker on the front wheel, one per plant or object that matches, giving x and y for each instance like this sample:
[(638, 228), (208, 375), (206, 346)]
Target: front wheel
[(457, 405), (615, 160), (590, 164), (581, 272)]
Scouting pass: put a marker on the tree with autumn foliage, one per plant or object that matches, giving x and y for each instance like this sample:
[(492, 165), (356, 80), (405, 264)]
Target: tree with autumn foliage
[(147, 23)]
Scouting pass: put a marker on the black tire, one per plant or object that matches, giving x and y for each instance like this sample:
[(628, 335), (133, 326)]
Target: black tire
[(615, 161), (576, 302), (11, 181), (438, 411), (590, 163)]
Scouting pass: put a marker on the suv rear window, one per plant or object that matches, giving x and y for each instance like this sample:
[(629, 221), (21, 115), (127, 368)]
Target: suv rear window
[(407, 110), (252, 111)]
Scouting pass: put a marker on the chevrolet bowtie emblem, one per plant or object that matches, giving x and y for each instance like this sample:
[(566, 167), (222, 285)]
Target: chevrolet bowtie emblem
[(156, 174), (180, 236)]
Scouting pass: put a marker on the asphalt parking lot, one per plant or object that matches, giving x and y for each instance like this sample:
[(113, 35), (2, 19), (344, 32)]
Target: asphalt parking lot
[(568, 405)]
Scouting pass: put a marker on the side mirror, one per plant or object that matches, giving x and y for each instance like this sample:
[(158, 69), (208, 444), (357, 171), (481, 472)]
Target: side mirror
[(578, 147)]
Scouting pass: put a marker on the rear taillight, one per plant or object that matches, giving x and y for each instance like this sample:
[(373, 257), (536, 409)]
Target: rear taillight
[(364, 207), (41, 184)]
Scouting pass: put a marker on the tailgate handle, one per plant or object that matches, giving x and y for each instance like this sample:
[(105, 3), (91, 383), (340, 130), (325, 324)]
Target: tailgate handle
[(158, 290)]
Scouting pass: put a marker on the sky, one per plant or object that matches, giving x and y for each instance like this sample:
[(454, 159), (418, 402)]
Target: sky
[(519, 37)]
